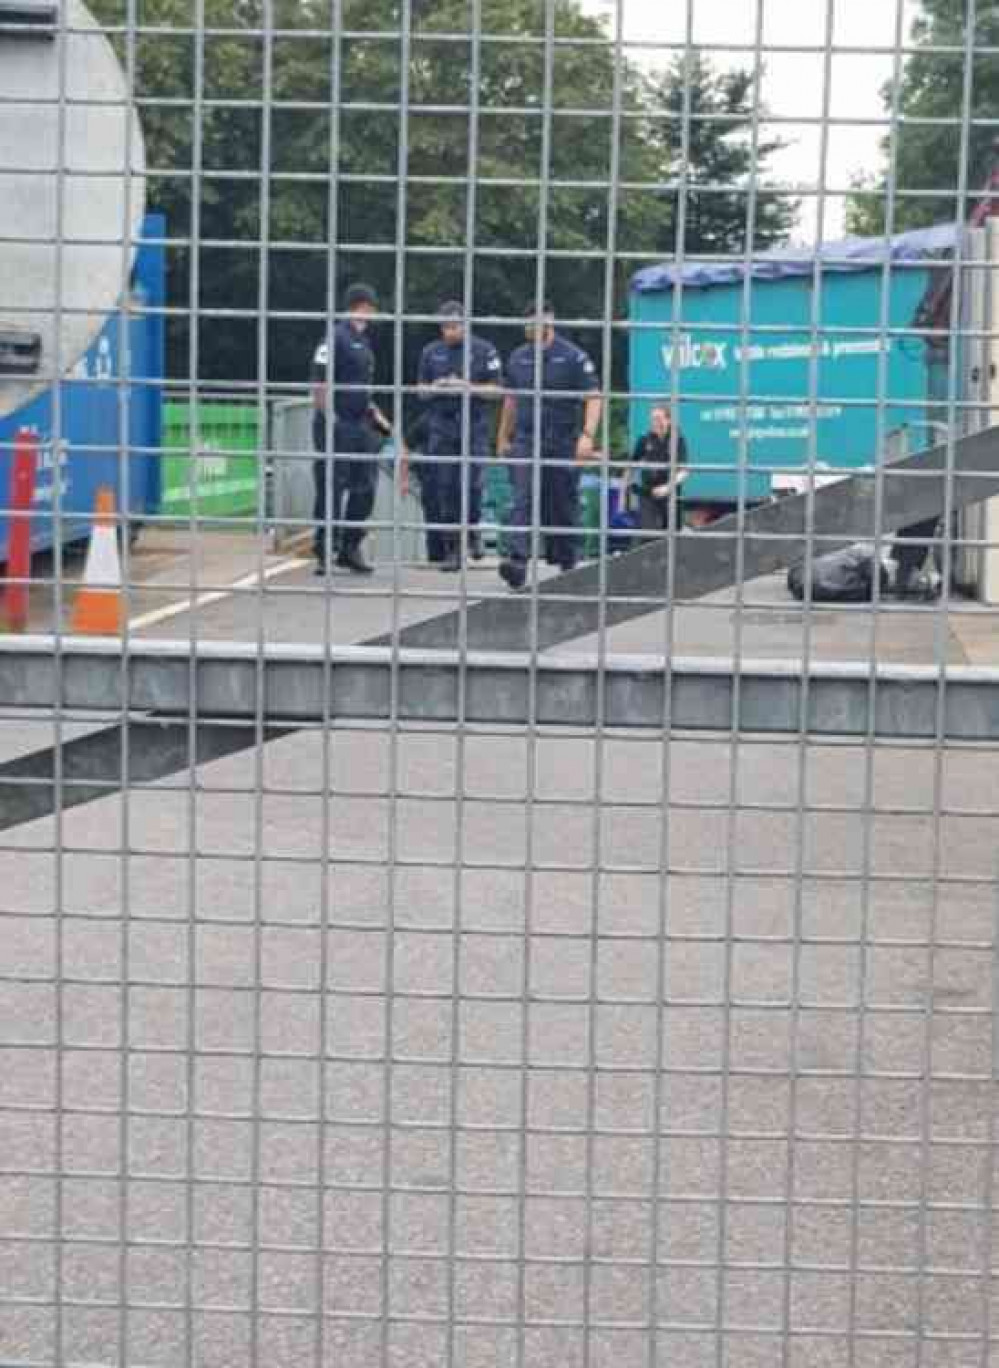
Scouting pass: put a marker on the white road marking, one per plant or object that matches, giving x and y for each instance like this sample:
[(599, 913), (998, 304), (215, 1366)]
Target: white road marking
[(189, 605)]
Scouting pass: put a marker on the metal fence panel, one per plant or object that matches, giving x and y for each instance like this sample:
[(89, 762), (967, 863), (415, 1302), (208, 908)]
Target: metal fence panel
[(291, 494), (552, 942)]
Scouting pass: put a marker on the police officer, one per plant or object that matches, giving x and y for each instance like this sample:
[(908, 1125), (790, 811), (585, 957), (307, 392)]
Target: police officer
[(457, 377), (346, 469), (569, 421)]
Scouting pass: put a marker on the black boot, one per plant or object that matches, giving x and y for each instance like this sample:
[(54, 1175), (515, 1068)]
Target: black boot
[(513, 573), (451, 559), (350, 558)]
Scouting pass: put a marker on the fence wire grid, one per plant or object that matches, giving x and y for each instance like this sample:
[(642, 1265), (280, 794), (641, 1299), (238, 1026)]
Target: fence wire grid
[(500, 683)]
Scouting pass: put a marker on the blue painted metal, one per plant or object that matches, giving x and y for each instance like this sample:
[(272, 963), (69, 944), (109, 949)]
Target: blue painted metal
[(109, 430), (748, 395)]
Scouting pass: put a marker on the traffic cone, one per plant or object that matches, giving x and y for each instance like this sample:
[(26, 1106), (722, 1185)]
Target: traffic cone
[(98, 607)]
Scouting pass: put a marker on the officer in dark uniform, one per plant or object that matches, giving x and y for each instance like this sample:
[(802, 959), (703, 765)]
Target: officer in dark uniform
[(457, 377), (569, 420), (346, 469)]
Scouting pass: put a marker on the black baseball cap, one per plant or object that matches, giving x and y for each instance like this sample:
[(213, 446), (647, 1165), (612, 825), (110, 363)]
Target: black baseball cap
[(359, 293)]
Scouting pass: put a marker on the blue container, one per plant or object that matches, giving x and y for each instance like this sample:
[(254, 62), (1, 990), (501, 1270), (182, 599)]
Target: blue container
[(108, 433), (760, 390)]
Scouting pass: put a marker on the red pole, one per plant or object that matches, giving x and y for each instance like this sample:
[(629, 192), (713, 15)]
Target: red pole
[(23, 471)]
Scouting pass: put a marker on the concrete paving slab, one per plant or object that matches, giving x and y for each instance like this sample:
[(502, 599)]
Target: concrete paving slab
[(169, 572), (167, 566), (386, 1042), (553, 1040), (766, 624)]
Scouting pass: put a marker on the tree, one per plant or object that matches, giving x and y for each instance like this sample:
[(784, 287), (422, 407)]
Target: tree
[(705, 139), (524, 216), (203, 137), (928, 159)]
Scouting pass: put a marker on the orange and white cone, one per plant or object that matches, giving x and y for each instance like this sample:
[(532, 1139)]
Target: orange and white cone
[(98, 607)]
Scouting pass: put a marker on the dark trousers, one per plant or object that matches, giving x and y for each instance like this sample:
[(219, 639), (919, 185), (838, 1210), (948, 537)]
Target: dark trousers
[(352, 483), (430, 499), (449, 483), (459, 483), (654, 514), (478, 472), (559, 508)]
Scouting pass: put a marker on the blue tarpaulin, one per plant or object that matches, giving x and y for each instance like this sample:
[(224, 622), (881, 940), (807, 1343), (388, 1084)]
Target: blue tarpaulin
[(783, 263)]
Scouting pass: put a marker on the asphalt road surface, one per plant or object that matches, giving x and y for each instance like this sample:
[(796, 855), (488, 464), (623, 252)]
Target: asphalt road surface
[(422, 1047)]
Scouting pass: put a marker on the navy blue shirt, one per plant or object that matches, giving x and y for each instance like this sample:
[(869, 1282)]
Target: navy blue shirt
[(440, 361), (564, 366), (353, 372)]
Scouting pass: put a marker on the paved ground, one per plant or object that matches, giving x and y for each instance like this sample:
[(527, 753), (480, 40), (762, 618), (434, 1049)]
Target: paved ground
[(239, 591), (296, 606), (682, 1067)]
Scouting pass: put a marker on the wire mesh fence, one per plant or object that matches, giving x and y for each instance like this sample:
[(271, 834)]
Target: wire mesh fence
[(498, 816)]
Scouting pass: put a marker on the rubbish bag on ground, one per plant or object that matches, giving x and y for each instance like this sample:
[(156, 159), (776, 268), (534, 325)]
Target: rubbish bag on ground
[(845, 576)]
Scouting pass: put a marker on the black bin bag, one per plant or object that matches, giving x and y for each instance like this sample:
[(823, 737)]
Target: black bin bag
[(845, 576)]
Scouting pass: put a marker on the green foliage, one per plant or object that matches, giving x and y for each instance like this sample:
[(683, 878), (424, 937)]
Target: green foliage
[(282, 105), (715, 146), (930, 158)]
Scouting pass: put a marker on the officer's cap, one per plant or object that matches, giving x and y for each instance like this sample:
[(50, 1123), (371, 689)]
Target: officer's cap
[(360, 293), (451, 312), (547, 312)]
